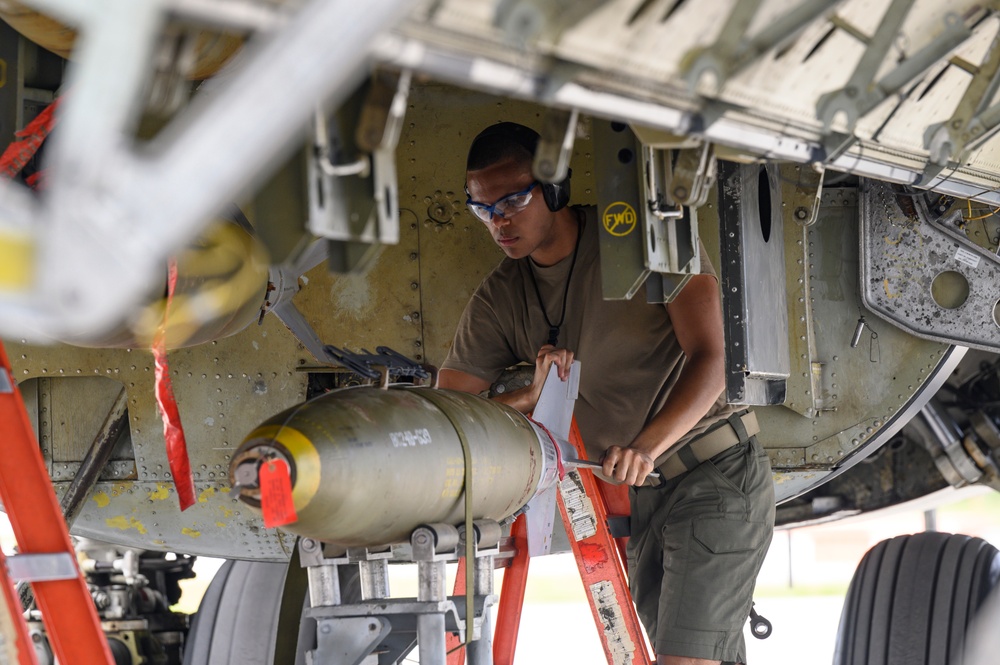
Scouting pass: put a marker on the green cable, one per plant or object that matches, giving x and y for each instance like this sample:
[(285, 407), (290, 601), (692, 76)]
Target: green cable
[(470, 534)]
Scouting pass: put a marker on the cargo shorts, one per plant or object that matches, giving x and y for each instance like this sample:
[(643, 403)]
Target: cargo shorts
[(697, 543)]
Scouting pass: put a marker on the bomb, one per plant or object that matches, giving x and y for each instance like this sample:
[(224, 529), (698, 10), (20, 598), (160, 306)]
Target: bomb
[(369, 465)]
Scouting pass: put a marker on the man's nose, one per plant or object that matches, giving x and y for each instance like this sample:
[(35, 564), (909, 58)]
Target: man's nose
[(499, 221)]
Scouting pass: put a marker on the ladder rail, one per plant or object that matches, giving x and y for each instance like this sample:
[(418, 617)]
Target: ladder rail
[(13, 624), (67, 608), (585, 505), (602, 568)]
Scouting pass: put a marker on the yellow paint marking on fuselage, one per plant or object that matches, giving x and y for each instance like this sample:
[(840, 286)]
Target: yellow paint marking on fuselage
[(124, 523), (161, 492)]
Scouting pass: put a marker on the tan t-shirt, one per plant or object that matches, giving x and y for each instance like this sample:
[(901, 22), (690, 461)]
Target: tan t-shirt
[(629, 355)]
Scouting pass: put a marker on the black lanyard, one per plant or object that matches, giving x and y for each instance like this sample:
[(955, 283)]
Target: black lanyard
[(554, 328)]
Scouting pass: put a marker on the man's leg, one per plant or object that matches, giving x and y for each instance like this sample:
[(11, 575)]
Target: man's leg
[(705, 543)]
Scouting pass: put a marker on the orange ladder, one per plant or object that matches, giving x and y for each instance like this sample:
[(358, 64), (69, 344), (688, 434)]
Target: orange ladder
[(20, 650), (47, 558), (585, 505)]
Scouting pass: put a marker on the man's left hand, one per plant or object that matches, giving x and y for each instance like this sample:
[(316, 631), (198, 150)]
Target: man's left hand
[(627, 465)]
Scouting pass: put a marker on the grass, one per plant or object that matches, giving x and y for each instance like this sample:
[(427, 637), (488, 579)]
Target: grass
[(800, 590)]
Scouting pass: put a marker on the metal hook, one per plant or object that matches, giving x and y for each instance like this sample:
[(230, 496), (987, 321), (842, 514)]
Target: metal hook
[(759, 626)]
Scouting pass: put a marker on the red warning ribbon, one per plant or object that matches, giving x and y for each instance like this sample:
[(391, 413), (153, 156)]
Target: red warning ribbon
[(19, 153), (173, 432), (559, 461), (275, 478)]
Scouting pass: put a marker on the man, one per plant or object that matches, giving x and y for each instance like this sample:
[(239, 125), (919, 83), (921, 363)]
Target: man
[(652, 379)]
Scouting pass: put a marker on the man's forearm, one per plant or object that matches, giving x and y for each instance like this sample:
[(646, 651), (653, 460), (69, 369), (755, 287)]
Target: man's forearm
[(698, 387), (522, 399)]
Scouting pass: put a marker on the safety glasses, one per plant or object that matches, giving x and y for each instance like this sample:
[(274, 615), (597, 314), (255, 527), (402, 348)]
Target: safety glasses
[(506, 207)]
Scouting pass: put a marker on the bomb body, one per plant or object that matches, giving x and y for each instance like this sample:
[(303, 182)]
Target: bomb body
[(369, 465)]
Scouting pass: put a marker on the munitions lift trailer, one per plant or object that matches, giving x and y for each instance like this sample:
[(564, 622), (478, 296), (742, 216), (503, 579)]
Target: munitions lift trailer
[(377, 629)]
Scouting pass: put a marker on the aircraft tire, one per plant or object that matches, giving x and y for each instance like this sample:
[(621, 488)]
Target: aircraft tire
[(240, 616), (912, 599)]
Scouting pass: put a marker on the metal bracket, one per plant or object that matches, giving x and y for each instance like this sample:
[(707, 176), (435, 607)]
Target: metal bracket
[(973, 122), (434, 542), (733, 50), (862, 93), (174, 59), (659, 177), (366, 362), (672, 247), (354, 197), (524, 21), (801, 190), (283, 284), (662, 288), (982, 444), (926, 277), (945, 446), (671, 229), (947, 140), (555, 145), (633, 190), (987, 431), (694, 175), (303, 331), (620, 199), (348, 640)]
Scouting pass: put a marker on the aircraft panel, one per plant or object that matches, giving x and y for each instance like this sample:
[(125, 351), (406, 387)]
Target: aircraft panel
[(223, 390)]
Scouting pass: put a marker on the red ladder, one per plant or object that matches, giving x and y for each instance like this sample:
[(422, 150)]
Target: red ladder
[(22, 651), (585, 505), (46, 553)]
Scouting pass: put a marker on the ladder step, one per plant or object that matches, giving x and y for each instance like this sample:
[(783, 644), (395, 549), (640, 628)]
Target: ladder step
[(42, 567)]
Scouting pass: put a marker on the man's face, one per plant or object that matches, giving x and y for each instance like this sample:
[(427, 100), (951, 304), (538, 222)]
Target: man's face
[(520, 234)]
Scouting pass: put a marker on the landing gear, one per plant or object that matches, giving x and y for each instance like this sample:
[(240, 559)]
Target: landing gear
[(912, 599), (244, 617)]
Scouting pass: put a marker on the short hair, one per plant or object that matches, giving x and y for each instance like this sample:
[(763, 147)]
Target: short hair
[(500, 142)]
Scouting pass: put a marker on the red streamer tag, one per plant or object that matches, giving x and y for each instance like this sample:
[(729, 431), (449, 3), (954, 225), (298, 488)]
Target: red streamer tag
[(19, 153), (276, 493), (173, 432)]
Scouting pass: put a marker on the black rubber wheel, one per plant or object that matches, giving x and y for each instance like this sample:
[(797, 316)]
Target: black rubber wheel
[(251, 615), (912, 599)]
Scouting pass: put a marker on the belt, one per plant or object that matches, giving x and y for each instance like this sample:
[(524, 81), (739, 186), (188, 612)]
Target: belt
[(738, 428)]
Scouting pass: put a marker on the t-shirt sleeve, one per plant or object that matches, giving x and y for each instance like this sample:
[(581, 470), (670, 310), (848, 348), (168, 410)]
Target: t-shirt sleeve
[(481, 347), (706, 263)]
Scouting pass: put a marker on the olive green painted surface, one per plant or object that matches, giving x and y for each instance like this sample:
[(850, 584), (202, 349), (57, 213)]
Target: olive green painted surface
[(223, 390), (411, 300)]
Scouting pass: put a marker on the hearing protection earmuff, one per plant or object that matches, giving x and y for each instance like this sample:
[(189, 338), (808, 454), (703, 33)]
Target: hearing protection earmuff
[(556, 194)]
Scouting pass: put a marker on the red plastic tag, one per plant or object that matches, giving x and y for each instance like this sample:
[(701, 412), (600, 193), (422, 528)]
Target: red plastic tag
[(276, 493), (19, 153), (173, 431)]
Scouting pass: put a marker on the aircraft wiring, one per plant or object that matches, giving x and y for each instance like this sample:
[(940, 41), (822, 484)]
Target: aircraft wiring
[(970, 218)]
